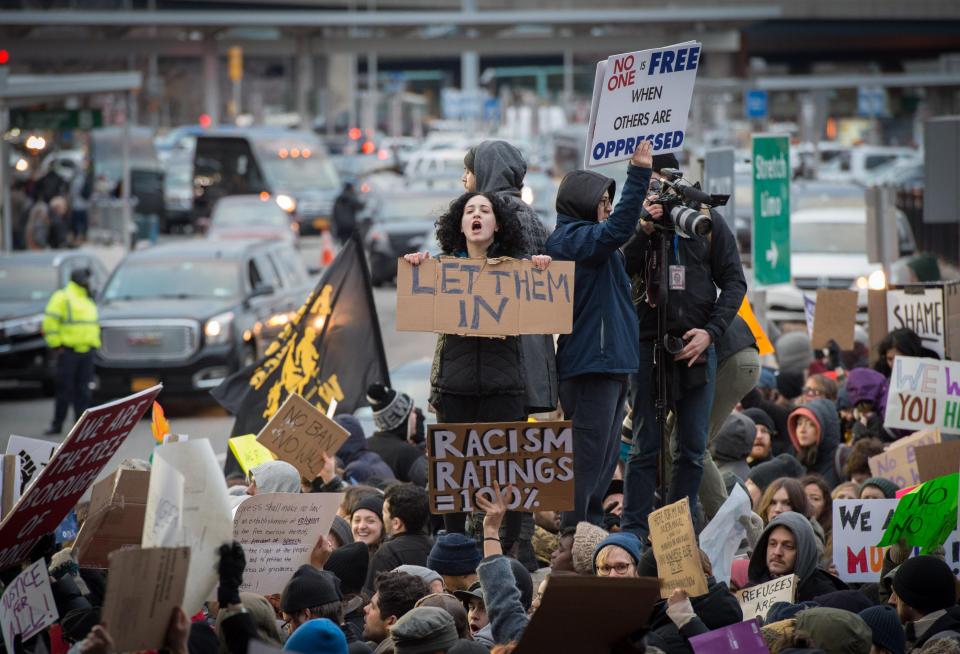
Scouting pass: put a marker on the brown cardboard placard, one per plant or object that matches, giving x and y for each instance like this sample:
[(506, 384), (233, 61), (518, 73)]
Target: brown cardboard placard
[(877, 315), (835, 318), (898, 462), (9, 480), (757, 600), (299, 432), (535, 458), (588, 615), (485, 297), (115, 520), (937, 460), (144, 585), (676, 550)]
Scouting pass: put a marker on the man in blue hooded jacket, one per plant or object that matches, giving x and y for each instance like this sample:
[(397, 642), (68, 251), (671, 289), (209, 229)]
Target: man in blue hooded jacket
[(596, 358)]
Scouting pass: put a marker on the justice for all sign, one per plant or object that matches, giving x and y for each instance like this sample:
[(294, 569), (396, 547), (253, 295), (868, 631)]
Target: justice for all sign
[(641, 96), (924, 393), (535, 458)]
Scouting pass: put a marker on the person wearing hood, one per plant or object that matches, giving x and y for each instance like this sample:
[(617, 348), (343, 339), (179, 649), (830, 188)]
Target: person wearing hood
[(360, 465), (697, 317), (397, 420), (815, 433), (788, 546), (734, 443), (274, 477), (834, 630), (867, 394), (594, 360)]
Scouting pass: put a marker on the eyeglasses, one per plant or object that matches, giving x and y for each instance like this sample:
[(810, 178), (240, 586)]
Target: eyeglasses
[(620, 568), (812, 392), (606, 201)]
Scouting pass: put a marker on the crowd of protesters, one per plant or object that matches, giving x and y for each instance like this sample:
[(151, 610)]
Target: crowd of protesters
[(795, 435), (50, 210)]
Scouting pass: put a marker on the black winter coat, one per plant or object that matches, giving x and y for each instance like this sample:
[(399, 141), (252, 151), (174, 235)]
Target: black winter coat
[(718, 608)]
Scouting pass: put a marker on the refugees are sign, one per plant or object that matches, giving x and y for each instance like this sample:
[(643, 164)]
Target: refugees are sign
[(88, 447), (535, 458), (924, 393), (484, 297), (757, 600), (644, 96)]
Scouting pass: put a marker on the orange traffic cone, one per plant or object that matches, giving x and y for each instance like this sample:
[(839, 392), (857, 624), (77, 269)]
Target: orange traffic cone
[(326, 249)]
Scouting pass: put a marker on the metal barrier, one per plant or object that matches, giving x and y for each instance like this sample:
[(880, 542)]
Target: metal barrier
[(108, 224)]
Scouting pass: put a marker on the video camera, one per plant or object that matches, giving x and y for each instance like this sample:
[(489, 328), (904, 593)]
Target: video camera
[(681, 202)]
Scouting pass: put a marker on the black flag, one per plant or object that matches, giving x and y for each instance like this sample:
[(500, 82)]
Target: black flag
[(330, 350)]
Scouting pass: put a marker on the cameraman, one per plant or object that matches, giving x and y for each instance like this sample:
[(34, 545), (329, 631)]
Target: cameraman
[(697, 267)]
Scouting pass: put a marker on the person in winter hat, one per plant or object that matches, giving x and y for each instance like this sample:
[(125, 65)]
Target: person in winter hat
[(274, 477), (431, 578), (815, 434), (424, 630), (762, 475), (319, 636), (396, 420), (349, 563), (366, 522), (360, 465), (788, 546), (762, 448), (888, 635), (617, 555), (734, 443), (835, 631), (926, 599), (793, 352), (878, 488), (311, 594), (456, 558), (585, 541)]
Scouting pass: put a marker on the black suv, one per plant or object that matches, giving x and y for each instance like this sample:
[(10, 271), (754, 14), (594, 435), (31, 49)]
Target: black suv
[(190, 314)]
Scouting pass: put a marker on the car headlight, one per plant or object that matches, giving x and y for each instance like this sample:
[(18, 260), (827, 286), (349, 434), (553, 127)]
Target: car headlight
[(286, 203), (24, 326), (217, 329)]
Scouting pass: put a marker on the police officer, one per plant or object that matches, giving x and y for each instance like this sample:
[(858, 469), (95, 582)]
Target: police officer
[(72, 330)]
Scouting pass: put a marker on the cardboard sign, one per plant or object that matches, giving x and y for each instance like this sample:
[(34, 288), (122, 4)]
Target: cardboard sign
[(835, 318), (535, 458), (27, 605), (249, 452), (9, 482), (278, 532), (33, 455), (484, 297), (299, 434), (937, 460), (857, 528), (898, 462), (757, 600), (143, 588), (738, 638), (925, 516), (721, 537), (924, 393), (88, 447), (588, 615), (921, 309), (644, 96), (202, 520), (115, 519), (675, 549)]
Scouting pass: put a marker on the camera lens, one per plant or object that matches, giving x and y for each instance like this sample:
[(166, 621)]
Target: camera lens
[(673, 344), (690, 221)]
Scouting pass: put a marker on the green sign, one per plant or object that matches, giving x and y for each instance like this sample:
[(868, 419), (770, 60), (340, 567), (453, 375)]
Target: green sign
[(771, 210), (56, 119), (925, 516)]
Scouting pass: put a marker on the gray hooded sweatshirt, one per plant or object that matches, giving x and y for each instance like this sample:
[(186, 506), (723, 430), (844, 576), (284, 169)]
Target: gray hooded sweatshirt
[(276, 477)]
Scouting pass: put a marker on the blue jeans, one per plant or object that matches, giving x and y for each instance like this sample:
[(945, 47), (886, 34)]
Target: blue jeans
[(692, 412), (596, 404)]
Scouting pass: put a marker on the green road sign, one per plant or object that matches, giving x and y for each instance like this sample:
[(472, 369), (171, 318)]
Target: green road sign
[(771, 209), (56, 119)]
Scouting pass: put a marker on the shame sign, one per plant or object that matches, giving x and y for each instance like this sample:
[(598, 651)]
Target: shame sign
[(484, 297)]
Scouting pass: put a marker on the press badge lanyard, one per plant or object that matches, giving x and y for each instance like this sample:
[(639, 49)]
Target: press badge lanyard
[(678, 272)]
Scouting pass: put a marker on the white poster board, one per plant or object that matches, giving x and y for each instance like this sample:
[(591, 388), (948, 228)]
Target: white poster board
[(27, 605), (33, 455), (924, 394), (922, 311), (757, 600)]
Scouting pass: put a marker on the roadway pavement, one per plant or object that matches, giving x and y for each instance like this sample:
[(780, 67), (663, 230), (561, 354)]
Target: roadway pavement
[(24, 411)]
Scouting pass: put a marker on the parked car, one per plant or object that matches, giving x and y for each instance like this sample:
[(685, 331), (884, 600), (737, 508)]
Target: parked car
[(191, 314), (27, 280), (252, 217), (856, 164), (401, 223)]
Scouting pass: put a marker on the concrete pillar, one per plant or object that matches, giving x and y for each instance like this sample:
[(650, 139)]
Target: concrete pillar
[(568, 79), (371, 99), (304, 82), (211, 82)]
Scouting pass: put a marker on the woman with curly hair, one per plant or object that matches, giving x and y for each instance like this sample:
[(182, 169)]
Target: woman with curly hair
[(478, 379)]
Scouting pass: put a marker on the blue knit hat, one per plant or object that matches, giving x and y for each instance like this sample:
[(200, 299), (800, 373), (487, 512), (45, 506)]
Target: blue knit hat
[(886, 628), (624, 540), (454, 555), (319, 636)]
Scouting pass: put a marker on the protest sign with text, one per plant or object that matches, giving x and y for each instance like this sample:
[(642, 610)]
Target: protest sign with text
[(484, 297), (675, 550), (188, 473), (143, 588), (249, 452), (757, 600), (27, 605), (88, 447), (898, 462), (300, 434), (919, 308), (33, 455), (278, 532), (535, 458), (738, 638), (644, 96), (857, 528), (926, 516), (924, 393)]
